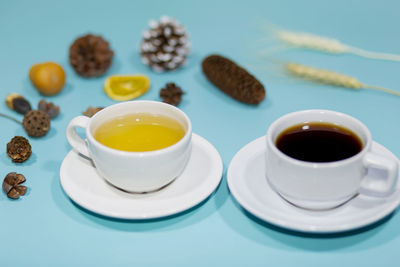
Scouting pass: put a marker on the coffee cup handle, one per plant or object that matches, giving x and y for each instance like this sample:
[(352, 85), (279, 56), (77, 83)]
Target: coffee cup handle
[(77, 142), (378, 185)]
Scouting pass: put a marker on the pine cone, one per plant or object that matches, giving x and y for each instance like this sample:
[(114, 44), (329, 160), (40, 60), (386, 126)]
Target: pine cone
[(19, 149), (90, 55), (165, 45), (233, 79), (36, 123), (171, 94)]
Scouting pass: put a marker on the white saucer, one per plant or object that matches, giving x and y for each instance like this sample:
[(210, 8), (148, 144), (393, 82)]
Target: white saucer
[(248, 184), (201, 176)]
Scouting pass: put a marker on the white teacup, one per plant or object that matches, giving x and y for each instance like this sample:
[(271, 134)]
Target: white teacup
[(133, 171), (326, 185)]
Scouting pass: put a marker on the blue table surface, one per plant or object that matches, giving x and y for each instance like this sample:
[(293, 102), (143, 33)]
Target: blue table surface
[(45, 228)]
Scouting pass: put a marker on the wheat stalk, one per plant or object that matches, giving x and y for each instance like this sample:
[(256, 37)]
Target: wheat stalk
[(329, 45), (331, 78), (10, 118)]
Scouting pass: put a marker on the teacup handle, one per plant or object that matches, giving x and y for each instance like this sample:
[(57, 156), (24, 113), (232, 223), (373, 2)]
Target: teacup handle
[(380, 185), (74, 139)]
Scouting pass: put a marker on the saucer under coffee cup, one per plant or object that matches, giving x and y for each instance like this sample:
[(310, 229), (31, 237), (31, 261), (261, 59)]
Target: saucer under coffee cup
[(309, 175)]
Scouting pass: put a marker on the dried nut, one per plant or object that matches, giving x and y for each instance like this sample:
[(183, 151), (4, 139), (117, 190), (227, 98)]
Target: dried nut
[(90, 111), (12, 185), (48, 107), (10, 98), (19, 149), (18, 103), (171, 94), (36, 123)]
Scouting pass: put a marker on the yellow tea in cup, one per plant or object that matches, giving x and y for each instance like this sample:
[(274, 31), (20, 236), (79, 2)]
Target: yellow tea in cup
[(139, 132)]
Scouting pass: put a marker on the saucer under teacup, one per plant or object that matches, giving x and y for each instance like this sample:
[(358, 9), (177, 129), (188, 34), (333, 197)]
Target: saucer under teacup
[(82, 183), (249, 186)]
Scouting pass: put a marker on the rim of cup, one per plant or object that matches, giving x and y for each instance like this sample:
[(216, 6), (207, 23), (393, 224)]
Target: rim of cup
[(271, 138), (181, 142)]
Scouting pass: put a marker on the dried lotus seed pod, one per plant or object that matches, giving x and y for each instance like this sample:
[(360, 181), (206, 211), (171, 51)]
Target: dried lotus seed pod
[(36, 123)]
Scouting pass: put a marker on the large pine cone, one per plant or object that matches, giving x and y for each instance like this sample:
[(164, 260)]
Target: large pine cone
[(165, 45), (90, 55), (233, 79)]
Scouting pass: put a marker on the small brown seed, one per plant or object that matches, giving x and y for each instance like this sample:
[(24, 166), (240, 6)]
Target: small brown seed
[(18, 103)]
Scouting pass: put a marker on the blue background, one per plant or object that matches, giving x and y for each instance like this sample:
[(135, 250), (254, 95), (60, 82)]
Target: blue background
[(45, 228)]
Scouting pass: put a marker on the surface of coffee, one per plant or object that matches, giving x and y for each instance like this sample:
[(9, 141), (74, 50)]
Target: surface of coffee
[(318, 142)]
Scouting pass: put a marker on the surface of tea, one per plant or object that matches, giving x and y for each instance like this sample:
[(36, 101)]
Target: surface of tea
[(318, 142), (139, 132)]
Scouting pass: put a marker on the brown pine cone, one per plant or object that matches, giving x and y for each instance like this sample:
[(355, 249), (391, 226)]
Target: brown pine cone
[(233, 79), (36, 123), (165, 45), (171, 94), (19, 149), (90, 55)]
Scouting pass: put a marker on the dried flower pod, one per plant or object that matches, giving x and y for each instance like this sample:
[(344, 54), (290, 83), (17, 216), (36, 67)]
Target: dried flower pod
[(12, 185), (19, 149), (233, 79), (165, 45), (90, 55), (18, 103), (90, 111), (36, 123), (49, 108), (171, 94)]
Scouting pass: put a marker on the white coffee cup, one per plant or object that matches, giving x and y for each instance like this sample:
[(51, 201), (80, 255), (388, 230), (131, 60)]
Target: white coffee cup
[(133, 171), (326, 185)]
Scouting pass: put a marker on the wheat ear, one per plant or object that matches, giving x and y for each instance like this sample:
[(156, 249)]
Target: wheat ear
[(329, 45), (331, 78)]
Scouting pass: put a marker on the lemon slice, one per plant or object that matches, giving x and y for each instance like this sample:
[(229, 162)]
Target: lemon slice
[(126, 87)]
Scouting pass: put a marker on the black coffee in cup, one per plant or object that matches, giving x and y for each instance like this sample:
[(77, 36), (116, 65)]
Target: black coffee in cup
[(318, 142)]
